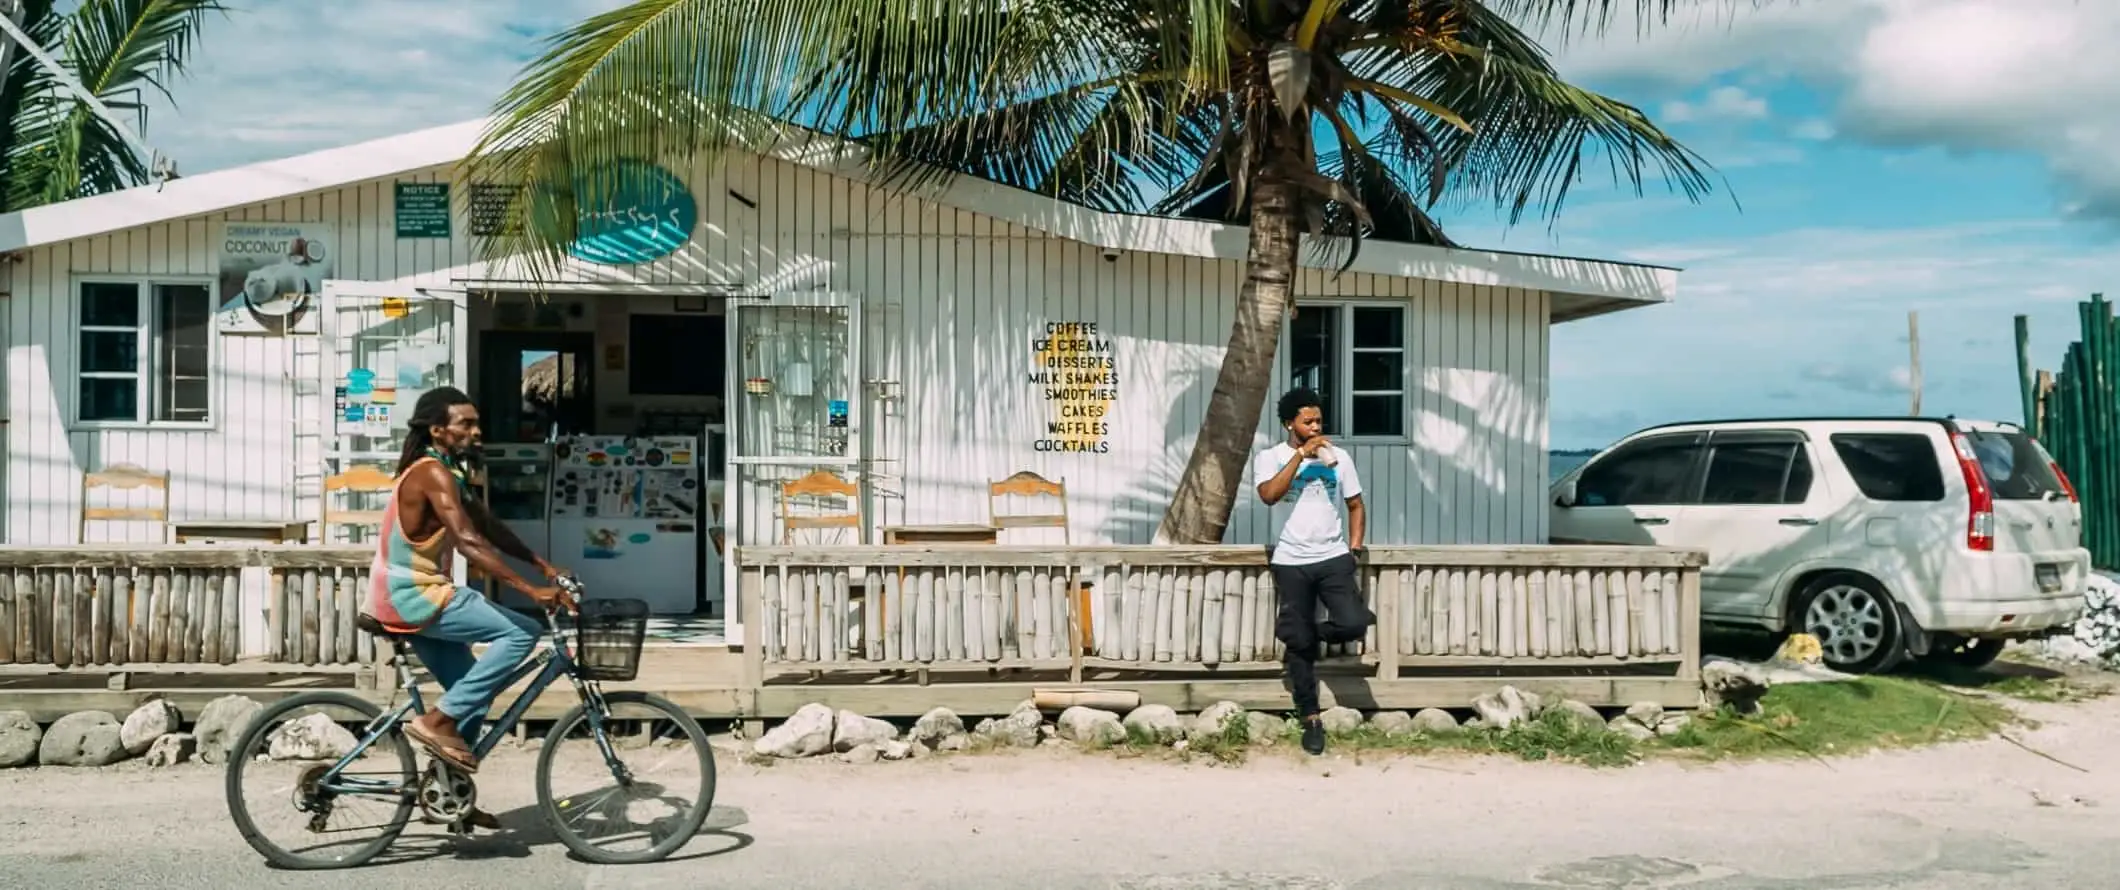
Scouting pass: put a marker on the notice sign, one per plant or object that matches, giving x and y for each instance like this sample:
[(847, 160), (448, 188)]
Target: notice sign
[(423, 210), (1073, 371)]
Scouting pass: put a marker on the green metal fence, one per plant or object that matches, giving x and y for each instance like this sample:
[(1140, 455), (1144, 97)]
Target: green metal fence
[(2074, 414)]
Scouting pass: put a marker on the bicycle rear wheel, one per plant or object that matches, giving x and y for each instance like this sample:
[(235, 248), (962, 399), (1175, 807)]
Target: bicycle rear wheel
[(617, 761), (276, 769)]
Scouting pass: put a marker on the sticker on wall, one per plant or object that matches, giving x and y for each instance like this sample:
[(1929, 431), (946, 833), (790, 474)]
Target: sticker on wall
[(360, 382), (638, 538), (600, 543), (271, 276), (835, 413)]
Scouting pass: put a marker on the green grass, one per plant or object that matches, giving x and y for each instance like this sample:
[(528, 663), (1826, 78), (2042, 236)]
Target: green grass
[(1833, 719)]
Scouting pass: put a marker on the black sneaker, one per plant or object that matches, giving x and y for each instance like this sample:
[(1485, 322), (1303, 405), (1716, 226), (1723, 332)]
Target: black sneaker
[(1313, 735)]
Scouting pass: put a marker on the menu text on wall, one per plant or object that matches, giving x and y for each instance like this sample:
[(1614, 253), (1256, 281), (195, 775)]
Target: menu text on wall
[(1073, 370)]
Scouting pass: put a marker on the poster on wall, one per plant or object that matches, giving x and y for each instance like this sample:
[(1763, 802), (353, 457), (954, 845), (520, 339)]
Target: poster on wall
[(1073, 370), (271, 276)]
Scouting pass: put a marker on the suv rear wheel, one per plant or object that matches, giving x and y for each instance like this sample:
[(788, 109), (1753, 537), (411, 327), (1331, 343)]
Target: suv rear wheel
[(1855, 621)]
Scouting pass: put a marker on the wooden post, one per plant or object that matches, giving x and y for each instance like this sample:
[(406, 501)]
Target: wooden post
[(750, 585), (1388, 609)]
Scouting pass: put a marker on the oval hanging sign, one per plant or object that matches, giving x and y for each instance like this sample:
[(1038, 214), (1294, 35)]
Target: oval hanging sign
[(650, 215)]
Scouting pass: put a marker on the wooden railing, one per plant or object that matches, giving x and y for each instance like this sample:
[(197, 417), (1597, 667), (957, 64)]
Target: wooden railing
[(1157, 608), (124, 605)]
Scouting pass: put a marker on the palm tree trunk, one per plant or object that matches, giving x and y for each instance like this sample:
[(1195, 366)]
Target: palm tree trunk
[(1199, 509)]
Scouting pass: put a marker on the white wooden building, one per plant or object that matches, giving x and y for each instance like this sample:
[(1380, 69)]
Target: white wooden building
[(923, 317)]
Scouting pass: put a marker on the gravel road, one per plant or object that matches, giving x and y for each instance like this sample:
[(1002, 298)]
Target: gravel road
[(1986, 815)]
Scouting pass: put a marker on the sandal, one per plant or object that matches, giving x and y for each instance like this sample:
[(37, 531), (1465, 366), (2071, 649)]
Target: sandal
[(456, 755)]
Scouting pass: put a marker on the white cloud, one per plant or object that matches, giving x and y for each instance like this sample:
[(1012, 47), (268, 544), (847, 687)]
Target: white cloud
[(1814, 130), (1721, 104), (2035, 76), (278, 77)]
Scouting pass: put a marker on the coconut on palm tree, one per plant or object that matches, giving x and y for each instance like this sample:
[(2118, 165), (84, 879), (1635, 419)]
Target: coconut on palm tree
[(1339, 119), (53, 147)]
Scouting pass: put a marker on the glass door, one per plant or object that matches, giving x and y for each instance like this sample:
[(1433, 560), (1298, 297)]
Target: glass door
[(793, 408)]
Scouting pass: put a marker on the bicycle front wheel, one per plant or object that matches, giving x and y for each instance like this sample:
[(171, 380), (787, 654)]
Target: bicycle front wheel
[(640, 757), (293, 809)]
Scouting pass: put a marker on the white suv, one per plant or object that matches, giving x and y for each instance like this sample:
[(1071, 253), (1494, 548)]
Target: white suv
[(1884, 537)]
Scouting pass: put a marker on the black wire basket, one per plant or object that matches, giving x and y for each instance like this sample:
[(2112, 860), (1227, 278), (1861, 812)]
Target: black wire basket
[(608, 637)]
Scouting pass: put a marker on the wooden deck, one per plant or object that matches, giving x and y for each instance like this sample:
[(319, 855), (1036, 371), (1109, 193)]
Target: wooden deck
[(893, 631)]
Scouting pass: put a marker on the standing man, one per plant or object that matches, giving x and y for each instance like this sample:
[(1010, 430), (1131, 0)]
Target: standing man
[(430, 518), (1313, 560)]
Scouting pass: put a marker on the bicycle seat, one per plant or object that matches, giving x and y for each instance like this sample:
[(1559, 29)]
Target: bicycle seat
[(368, 624)]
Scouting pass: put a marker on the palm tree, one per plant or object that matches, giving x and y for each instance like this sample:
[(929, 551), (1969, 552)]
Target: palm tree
[(1336, 118), (52, 146)]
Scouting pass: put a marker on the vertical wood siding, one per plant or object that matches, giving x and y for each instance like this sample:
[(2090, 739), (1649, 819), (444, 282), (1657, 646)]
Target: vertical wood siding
[(951, 303)]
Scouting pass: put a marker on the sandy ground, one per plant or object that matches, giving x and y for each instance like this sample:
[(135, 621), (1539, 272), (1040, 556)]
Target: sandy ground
[(1985, 815)]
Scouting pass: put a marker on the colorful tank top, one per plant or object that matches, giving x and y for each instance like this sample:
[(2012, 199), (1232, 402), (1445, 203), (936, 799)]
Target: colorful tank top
[(410, 580)]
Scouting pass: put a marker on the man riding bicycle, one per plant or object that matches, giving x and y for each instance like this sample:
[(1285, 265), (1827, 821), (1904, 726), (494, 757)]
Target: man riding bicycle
[(430, 517)]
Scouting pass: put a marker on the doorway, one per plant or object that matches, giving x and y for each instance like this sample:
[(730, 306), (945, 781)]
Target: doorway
[(535, 384)]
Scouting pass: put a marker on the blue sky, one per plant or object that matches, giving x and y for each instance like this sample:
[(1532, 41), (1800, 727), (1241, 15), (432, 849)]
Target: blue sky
[(1960, 158)]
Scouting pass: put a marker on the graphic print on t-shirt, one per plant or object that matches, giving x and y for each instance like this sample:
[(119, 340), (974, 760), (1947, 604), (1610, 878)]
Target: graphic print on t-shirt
[(1311, 529)]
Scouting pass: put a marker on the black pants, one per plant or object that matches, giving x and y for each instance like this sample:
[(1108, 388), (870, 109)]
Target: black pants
[(1300, 590)]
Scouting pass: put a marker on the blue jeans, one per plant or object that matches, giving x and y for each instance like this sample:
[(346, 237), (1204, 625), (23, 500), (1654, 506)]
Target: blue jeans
[(469, 685)]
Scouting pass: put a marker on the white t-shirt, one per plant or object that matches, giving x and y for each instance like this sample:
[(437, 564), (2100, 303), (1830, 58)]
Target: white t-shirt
[(1312, 529)]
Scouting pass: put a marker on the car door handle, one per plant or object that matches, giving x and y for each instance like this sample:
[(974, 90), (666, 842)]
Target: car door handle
[(1651, 520), (1798, 520)]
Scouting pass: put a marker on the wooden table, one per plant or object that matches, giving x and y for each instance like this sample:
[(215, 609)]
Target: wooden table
[(275, 530), (965, 533)]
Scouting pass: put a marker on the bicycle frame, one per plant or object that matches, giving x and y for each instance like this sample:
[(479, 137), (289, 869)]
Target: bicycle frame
[(548, 662)]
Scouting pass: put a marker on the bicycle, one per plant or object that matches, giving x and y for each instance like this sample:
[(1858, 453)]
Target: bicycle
[(608, 637)]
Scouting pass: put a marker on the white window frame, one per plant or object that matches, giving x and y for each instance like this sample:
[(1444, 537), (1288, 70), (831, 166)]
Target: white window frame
[(146, 370), (1343, 396)]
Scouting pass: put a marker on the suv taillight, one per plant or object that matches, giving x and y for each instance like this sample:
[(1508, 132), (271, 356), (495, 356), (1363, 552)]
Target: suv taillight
[(1980, 524), (2061, 477)]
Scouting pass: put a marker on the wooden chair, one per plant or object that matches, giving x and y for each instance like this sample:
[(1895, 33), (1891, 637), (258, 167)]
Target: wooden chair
[(818, 484), (1026, 484), (124, 477), (362, 479)]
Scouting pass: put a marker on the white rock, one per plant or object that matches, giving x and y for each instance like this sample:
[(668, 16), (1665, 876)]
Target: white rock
[(1435, 721), (83, 738), (1504, 709), (955, 741), (1264, 728), (148, 722), (1211, 721), (1393, 722), (1646, 713), (1732, 683), (934, 726), (1090, 726), (313, 737), (807, 732), (862, 753), (1020, 729), (171, 749), (1341, 719), (1631, 728), (852, 730), (893, 749), (1157, 723), (1583, 715), (1673, 723), (222, 724), (19, 738)]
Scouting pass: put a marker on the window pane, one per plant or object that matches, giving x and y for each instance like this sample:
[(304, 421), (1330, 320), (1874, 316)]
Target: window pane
[(1747, 473), (1650, 472), (183, 315), (1379, 371), (110, 304), (1378, 416), (110, 398), (1380, 328), (1314, 356), (107, 351), (2015, 469), (1891, 466)]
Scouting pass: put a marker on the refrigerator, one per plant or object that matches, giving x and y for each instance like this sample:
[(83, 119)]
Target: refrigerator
[(625, 517), (517, 481)]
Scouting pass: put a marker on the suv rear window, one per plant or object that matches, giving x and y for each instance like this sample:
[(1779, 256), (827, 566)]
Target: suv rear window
[(2016, 466), (1891, 466)]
